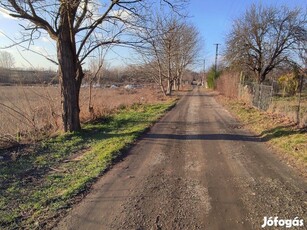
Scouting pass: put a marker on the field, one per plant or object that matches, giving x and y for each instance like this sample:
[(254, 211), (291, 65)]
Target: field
[(46, 179), (31, 112), (40, 181)]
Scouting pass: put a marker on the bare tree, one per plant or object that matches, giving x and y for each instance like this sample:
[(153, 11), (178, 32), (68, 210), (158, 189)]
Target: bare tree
[(95, 73), (171, 45), (188, 46), (7, 60), (74, 25), (265, 38), (150, 52), (302, 54)]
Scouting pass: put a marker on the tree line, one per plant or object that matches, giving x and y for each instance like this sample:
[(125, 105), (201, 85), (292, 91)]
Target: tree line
[(81, 27)]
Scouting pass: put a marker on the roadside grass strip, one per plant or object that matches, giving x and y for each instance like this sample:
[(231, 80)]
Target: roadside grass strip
[(278, 131), (36, 186)]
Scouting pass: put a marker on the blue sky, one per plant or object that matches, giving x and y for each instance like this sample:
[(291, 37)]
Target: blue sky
[(213, 18)]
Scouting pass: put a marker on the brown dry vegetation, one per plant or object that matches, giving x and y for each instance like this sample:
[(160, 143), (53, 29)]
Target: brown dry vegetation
[(30, 112), (228, 84), (288, 106), (280, 132)]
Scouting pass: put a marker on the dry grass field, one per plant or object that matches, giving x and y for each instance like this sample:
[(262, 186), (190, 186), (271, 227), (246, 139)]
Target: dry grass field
[(29, 112), (288, 106)]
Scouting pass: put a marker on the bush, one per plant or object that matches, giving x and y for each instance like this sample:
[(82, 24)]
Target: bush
[(289, 84), (212, 77)]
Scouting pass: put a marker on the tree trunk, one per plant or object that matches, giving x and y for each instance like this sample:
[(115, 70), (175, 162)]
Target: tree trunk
[(69, 97), (70, 75), (175, 84), (178, 84), (162, 86), (260, 76), (169, 87), (178, 80)]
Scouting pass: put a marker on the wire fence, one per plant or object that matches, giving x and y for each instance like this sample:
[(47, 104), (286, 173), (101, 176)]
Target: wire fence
[(260, 95), (270, 97)]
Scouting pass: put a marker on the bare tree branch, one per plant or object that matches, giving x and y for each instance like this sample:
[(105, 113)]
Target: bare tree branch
[(73, 25), (264, 38)]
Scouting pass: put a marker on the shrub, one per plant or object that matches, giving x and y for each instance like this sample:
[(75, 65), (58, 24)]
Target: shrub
[(212, 77), (289, 84)]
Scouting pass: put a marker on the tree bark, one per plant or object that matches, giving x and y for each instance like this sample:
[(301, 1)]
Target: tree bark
[(260, 76), (169, 87), (70, 75), (161, 85)]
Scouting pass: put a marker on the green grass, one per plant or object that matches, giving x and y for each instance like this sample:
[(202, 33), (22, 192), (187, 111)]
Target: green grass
[(279, 132), (38, 185)]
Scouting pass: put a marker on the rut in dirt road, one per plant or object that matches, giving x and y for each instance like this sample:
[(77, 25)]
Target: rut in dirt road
[(194, 170)]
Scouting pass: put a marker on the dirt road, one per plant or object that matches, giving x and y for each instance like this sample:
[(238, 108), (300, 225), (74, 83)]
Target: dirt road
[(195, 169)]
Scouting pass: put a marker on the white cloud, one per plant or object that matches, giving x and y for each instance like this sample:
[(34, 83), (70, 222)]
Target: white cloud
[(122, 14), (33, 60), (37, 49), (45, 39), (93, 8), (5, 14)]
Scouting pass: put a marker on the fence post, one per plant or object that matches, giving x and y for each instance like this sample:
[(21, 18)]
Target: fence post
[(259, 95), (271, 93), (241, 82), (299, 101)]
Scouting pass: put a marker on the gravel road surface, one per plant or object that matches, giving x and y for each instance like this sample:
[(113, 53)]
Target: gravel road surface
[(195, 169)]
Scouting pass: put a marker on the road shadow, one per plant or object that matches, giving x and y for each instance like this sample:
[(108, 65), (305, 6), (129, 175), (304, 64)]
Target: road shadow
[(201, 95), (205, 137), (267, 135)]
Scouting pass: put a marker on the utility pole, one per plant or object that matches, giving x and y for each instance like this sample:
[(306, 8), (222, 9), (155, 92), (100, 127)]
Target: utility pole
[(216, 54), (215, 66), (203, 81)]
